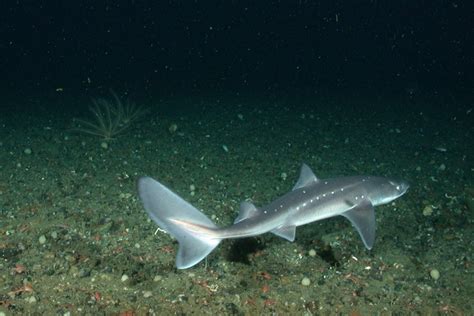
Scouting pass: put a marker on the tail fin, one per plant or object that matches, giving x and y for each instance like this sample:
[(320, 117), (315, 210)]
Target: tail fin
[(168, 210)]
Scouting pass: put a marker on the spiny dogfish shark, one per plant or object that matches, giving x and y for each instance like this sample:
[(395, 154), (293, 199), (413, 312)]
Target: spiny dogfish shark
[(311, 200)]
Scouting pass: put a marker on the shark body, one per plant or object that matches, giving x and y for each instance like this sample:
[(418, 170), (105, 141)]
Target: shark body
[(311, 200)]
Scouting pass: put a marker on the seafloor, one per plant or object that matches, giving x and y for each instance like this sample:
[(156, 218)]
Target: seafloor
[(76, 241)]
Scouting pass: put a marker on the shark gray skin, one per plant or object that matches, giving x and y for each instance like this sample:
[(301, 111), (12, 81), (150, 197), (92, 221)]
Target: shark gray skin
[(311, 200)]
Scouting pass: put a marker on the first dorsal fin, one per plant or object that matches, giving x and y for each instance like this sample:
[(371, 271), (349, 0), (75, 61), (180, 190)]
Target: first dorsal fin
[(247, 209), (306, 177)]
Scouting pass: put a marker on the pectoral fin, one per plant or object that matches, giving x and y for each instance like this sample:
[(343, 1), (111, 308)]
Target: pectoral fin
[(362, 217)]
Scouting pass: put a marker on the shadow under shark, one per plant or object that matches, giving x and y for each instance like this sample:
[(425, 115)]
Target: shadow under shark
[(311, 200)]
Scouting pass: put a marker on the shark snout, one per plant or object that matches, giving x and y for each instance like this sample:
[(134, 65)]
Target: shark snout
[(399, 185), (403, 187)]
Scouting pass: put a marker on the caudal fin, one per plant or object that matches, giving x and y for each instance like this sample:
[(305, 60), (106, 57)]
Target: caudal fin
[(178, 218)]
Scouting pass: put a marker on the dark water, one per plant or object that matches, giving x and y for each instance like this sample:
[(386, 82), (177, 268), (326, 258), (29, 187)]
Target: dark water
[(230, 98)]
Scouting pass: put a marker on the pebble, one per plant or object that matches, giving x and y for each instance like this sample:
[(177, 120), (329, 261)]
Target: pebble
[(84, 273), (434, 273), (125, 196), (147, 294), (31, 299), (124, 278), (306, 281), (27, 151), (173, 128), (312, 253), (427, 211), (42, 239), (104, 145)]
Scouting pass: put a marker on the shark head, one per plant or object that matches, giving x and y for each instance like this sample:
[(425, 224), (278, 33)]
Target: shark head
[(386, 190)]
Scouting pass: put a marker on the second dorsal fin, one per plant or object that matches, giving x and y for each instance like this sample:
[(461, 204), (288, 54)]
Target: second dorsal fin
[(247, 209)]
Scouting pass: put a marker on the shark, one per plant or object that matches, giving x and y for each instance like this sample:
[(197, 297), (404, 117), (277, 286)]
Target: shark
[(311, 199)]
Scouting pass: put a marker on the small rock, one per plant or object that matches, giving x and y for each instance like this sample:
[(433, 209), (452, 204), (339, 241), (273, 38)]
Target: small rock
[(84, 273), (42, 239), (312, 253), (125, 196), (306, 281), (70, 258), (434, 273), (147, 294), (31, 299), (173, 128), (428, 210), (74, 271), (124, 278)]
